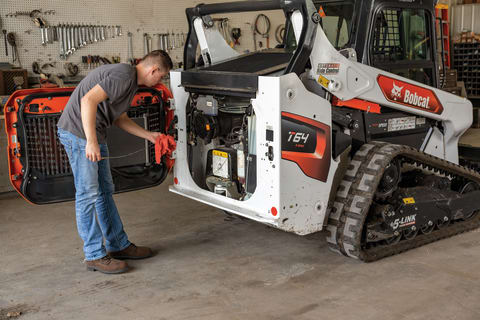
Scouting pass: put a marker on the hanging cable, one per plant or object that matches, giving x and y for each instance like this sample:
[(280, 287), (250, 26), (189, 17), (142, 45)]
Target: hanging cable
[(263, 30), (280, 33)]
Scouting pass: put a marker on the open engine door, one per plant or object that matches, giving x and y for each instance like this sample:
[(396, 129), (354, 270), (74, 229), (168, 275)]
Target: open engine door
[(38, 165)]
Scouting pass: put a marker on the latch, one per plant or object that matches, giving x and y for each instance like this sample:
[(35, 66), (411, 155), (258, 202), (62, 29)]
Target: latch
[(172, 106)]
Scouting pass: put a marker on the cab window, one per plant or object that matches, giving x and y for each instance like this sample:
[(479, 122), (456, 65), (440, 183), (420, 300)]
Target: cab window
[(401, 44)]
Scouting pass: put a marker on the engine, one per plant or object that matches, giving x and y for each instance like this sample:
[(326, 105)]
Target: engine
[(219, 134)]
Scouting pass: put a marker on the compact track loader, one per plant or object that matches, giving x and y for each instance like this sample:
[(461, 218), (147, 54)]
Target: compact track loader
[(341, 127)]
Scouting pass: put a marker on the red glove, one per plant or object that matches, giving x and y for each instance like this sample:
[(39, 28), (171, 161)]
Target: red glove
[(165, 144)]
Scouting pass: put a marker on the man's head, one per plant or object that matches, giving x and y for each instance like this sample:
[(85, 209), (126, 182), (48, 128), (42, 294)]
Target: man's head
[(153, 67)]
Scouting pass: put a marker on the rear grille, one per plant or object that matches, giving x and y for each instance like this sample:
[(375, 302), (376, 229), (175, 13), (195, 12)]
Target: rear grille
[(46, 154), (154, 123)]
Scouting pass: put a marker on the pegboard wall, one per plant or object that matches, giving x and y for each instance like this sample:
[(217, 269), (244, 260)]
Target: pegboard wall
[(135, 16)]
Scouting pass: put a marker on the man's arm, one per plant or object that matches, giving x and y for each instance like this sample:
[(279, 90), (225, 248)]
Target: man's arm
[(88, 108), (127, 124)]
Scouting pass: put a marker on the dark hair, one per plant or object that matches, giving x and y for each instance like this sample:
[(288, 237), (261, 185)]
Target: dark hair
[(159, 56)]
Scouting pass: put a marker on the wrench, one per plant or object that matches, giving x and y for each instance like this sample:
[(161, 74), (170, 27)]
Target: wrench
[(90, 35), (81, 42), (72, 39), (45, 30), (159, 41), (50, 34), (103, 33), (130, 47), (64, 41), (145, 44), (62, 47), (43, 37), (84, 33), (80, 36), (66, 38), (77, 37), (95, 32)]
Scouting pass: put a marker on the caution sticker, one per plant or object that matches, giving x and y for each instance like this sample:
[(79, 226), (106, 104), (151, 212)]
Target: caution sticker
[(408, 200), (220, 154), (324, 82)]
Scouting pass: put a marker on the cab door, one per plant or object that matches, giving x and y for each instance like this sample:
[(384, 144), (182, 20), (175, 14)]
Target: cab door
[(38, 165), (402, 41)]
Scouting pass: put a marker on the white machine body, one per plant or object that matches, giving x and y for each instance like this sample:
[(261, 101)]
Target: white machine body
[(293, 195)]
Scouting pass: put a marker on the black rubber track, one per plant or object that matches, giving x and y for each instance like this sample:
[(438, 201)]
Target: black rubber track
[(356, 192)]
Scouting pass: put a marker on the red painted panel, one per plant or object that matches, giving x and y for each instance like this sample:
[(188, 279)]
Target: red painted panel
[(409, 95), (316, 164)]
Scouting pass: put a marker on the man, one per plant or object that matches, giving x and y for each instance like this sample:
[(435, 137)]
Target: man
[(101, 99)]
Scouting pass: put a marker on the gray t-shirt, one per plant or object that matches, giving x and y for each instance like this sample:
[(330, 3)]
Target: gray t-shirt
[(119, 81)]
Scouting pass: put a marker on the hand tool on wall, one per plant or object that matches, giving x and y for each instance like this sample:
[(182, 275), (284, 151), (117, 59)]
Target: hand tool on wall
[(62, 42), (236, 34), (164, 42), (42, 32), (4, 37), (45, 30), (172, 41), (12, 41), (55, 33), (159, 41), (146, 48), (130, 48)]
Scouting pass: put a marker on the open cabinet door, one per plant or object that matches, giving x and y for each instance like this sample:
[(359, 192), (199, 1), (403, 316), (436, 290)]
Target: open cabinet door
[(38, 165)]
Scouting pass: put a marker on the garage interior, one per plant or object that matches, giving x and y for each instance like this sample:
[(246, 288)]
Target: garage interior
[(208, 264)]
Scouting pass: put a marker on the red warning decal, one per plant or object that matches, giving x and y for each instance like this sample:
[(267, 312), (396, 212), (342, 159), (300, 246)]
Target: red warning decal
[(409, 95)]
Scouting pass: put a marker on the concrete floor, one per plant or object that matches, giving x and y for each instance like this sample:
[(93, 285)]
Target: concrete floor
[(209, 268)]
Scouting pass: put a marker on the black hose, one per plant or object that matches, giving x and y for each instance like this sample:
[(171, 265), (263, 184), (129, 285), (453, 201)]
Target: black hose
[(280, 33), (267, 22)]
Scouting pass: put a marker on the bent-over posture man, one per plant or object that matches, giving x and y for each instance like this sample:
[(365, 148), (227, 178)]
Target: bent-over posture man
[(101, 99)]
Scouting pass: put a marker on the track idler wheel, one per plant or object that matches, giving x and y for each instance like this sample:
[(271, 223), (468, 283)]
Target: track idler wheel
[(390, 179), (410, 234), (469, 187)]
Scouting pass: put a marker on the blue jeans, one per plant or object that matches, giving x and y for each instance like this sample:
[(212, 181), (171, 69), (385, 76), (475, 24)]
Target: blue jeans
[(93, 194)]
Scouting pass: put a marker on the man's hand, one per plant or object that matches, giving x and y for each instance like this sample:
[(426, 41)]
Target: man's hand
[(92, 151), (164, 144), (153, 136)]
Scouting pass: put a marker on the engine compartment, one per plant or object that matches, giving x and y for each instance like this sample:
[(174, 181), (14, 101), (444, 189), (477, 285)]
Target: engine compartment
[(221, 144)]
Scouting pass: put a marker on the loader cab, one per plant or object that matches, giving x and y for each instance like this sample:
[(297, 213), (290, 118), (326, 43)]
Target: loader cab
[(394, 36)]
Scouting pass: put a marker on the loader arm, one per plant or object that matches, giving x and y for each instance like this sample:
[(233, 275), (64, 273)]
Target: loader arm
[(348, 79)]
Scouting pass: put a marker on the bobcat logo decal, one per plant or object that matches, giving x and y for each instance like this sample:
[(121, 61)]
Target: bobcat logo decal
[(396, 92)]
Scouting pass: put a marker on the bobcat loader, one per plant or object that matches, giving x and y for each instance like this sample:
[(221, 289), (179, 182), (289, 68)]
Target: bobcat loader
[(341, 127)]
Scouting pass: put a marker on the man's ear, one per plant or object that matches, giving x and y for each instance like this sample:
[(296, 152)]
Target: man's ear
[(155, 67)]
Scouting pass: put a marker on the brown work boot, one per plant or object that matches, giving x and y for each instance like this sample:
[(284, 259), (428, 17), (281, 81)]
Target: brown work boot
[(132, 252), (107, 265)]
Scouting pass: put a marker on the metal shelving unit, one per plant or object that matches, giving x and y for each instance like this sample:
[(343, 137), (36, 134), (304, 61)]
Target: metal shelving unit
[(466, 60)]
